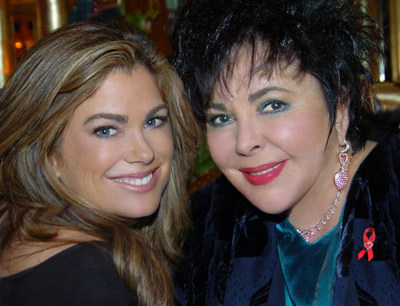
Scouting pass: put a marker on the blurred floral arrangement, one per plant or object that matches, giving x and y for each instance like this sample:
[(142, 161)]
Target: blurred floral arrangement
[(107, 10), (204, 162), (205, 170), (143, 21)]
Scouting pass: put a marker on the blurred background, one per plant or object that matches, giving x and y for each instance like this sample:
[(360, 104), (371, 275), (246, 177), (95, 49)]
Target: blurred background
[(23, 22)]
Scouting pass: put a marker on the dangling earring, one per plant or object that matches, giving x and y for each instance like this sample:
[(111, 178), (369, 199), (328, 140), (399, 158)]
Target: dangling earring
[(342, 177)]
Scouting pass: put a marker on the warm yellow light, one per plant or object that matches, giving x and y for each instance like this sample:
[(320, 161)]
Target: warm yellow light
[(18, 45), (54, 14)]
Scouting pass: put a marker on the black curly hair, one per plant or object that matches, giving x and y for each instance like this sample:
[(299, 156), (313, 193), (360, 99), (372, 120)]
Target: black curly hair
[(332, 39)]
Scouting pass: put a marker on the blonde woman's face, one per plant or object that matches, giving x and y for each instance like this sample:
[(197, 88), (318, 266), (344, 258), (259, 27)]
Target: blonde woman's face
[(117, 148)]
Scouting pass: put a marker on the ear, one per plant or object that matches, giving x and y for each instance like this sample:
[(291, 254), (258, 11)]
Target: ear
[(56, 163), (342, 120)]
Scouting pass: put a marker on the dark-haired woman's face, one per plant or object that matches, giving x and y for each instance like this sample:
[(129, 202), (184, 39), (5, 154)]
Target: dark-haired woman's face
[(271, 137), (117, 148)]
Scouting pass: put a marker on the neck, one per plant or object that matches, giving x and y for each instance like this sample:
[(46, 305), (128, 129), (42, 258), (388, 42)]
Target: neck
[(313, 207), (315, 222)]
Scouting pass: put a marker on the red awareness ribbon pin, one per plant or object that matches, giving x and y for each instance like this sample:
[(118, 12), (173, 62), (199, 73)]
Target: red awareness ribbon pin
[(368, 244)]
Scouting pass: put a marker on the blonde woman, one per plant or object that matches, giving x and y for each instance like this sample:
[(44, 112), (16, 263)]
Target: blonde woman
[(94, 156)]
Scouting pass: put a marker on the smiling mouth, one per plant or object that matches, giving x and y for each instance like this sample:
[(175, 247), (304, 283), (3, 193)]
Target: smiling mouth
[(263, 174), (135, 181), (266, 171)]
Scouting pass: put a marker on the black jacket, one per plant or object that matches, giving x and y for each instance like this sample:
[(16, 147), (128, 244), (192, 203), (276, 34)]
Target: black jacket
[(233, 257)]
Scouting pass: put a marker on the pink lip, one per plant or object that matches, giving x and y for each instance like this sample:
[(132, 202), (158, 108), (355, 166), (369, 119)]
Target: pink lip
[(261, 179), (135, 175), (138, 175)]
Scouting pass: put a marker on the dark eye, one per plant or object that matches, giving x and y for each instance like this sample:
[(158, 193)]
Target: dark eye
[(273, 106), (105, 131), (219, 120)]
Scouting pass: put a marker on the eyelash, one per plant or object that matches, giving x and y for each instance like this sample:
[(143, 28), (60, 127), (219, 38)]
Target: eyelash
[(282, 107), (104, 131), (162, 119), (101, 129), (211, 120)]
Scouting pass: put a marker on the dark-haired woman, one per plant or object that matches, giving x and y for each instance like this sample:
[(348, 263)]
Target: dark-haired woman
[(307, 211)]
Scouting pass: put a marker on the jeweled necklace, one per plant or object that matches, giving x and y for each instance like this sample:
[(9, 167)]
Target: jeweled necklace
[(340, 180), (307, 234)]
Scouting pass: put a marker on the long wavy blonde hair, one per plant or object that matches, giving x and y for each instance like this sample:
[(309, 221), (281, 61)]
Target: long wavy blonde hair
[(61, 71)]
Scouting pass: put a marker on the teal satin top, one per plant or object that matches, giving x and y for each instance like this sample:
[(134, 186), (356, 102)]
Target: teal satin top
[(308, 268)]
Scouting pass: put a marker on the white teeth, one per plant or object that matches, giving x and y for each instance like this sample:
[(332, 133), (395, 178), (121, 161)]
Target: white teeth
[(135, 181), (265, 171)]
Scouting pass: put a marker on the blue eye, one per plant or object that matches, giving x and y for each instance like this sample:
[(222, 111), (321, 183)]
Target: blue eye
[(105, 131), (151, 122), (273, 106), (219, 120), (156, 121)]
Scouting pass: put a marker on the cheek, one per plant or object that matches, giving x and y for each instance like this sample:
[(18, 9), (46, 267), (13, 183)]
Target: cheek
[(221, 146), (162, 143), (89, 153), (301, 134), (84, 156)]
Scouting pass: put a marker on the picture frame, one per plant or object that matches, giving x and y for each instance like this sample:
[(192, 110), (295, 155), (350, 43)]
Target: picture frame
[(394, 9)]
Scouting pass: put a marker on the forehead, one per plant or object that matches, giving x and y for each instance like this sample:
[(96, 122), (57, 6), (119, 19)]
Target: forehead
[(249, 68), (122, 92)]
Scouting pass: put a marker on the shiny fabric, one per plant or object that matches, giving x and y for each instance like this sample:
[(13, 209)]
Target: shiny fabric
[(308, 268), (232, 257)]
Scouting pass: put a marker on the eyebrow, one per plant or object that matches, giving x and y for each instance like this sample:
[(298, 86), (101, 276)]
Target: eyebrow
[(217, 106), (109, 116), (154, 111), (120, 118), (252, 97), (263, 91)]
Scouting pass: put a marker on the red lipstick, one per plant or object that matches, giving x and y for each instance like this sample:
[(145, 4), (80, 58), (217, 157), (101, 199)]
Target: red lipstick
[(263, 174)]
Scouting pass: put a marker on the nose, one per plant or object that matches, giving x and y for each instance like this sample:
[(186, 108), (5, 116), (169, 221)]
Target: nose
[(140, 150), (249, 139)]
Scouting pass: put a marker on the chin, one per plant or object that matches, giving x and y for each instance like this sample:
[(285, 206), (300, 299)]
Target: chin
[(270, 206), (136, 212), (271, 210)]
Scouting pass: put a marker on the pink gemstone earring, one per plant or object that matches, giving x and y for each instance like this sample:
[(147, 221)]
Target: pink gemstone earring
[(342, 177)]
